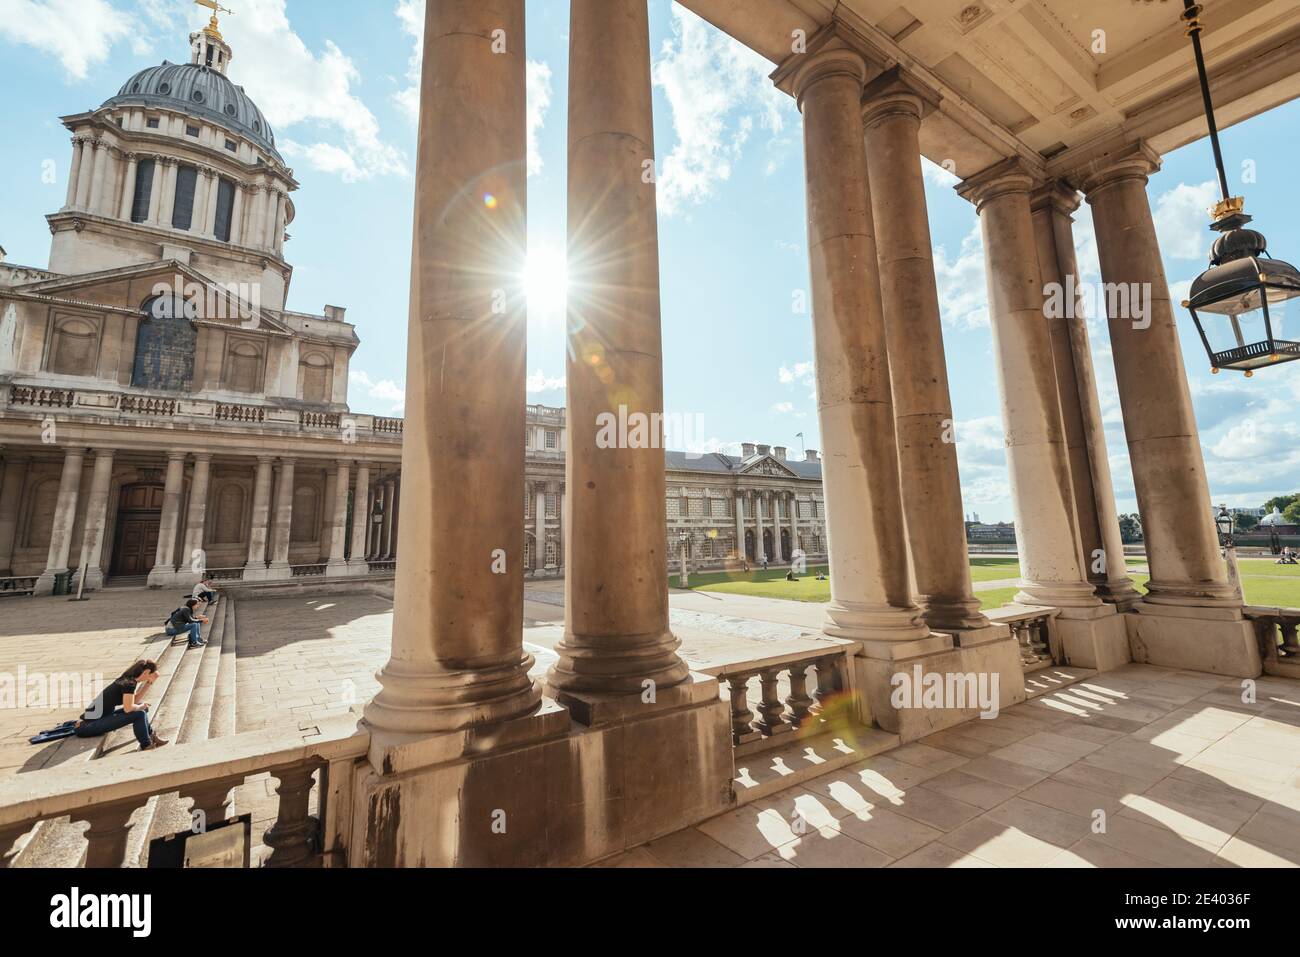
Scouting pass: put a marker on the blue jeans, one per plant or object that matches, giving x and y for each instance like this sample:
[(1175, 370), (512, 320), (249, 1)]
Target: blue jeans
[(139, 721), (194, 628)]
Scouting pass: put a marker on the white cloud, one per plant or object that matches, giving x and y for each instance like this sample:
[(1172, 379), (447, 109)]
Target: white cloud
[(539, 91), (963, 292), (80, 33), (385, 390), (783, 408), (937, 174), (540, 382), (1182, 220), (799, 372), (719, 92)]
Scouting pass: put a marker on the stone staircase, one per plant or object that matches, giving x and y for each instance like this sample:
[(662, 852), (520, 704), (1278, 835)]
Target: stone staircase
[(193, 700)]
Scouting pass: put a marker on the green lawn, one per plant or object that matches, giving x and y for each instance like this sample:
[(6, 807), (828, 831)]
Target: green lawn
[(1264, 583)]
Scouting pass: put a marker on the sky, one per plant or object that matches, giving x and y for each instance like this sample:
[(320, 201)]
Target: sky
[(338, 83)]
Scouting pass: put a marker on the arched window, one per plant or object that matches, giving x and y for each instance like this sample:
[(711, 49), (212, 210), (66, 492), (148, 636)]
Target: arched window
[(244, 367), (228, 524), (225, 209), (164, 345), (74, 347), (316, 374)]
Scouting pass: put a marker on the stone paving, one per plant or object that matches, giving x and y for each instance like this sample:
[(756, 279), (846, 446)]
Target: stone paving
[(1138, 767)]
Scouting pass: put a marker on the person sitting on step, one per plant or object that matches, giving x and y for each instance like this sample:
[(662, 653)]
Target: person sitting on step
[(119, 705), (183, 619), (206, 592)]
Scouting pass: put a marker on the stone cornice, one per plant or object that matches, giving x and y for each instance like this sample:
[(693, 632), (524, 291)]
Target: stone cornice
[(1011, 175), (1057, 195), (1132, 161), (896, 92)]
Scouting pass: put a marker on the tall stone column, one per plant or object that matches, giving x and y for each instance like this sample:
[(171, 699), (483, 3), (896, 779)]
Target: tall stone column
[(164, 565), (74, 171), (616, 591), (154, 216), (385, 552), (1085, 435), (1191, 615), (395, 531), (457, 657), (98, 185), (1047, 533), (65, 515), (92, 540), (86, 173), (193, 560), (11, 495), (338, 560), (237, 215), (198, 215), (283, 528), (778, 553), (259, 529), (740, 527), (760, 547), (210, 207), (539, 526), (127, 199), (167, 201), (360, 522), (871, 595), (894, 105)]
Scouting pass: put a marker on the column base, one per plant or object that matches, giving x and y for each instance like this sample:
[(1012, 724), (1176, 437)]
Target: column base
[(337, 570), (917, 696), (421, 699), (630, 664), (45, 584), (94, 580), (1094, 638), (1217, 640), (541, 791), (358, 568), (162, 576)]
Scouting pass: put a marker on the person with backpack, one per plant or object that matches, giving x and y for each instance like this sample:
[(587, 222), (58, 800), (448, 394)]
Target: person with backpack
[(119, 705), (183, 620)]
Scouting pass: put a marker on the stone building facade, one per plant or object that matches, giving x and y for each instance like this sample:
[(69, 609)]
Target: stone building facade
[(163, 415)]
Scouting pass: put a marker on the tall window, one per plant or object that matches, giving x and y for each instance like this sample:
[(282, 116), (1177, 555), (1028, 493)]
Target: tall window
[(187, 178), (225, 209), (143, 191)]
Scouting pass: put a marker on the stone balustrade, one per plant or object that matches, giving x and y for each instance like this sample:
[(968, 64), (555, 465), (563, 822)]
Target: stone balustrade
[(1276, 629), (105, 793), (148, 405), (229, 412), (42, 398), (19, 585), (308, 571), (1031, 626), (790, 687)]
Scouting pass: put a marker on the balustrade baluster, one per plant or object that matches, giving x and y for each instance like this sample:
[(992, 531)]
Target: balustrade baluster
[(742, 718), (106, 837), (1290, 646), (798, 700), (291, 837), (828, 682), (771, 709), (210, 798), (8, 834)]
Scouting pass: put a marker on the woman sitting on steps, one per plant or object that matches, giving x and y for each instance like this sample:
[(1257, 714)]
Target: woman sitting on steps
[(104, 715)]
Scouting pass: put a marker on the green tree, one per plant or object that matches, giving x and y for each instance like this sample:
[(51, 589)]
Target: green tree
[(1292, 512), (1281, 502), (1247, 523), (1130, 529)]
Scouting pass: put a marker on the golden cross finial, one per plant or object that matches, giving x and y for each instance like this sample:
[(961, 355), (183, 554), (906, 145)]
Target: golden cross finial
[(216, 8)]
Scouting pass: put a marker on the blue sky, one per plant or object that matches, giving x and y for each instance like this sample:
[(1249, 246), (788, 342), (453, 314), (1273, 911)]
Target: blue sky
[(336, 80)]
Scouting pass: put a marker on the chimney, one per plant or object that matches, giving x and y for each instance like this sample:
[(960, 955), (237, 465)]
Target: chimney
[(2, 254), (335, 313), (746, 449), (764, 449), (811, 456), (779, 452)]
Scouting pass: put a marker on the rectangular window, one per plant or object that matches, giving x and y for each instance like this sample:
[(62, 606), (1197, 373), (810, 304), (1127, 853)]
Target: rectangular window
[(152, 122), (550, 504), (225, 209), (552, 439), (232, 145), (191, 131), (187, 178), (143, 191)]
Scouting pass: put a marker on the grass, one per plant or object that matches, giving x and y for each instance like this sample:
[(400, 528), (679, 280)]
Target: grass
[(1263, 582)]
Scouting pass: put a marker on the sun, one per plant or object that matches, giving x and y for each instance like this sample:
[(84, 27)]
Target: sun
[(546, 283)]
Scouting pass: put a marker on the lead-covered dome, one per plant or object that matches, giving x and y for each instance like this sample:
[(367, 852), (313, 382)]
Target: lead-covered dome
[(201, 92)]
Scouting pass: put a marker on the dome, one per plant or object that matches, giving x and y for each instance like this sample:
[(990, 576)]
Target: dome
[(1273, 518), (201, 92)]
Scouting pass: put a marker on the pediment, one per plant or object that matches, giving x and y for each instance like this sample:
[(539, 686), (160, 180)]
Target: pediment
[(766, 465)]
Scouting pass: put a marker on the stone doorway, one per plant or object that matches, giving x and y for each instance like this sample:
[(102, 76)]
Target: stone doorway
[(139, 515)]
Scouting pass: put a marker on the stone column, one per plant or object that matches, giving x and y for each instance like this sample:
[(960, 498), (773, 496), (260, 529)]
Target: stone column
[(92, 539), (396, 530), (338, 561), (1191, 615), (360, 522), (154, 216), (198, 215), (1085, 435), (760, 548), (277, 227), (1046, 531), (11, 494), (167, 201), (164, 566), (280, 534), (65, 515), (193, 563), (237, 215), (616, 590), (871, 597), (259, 529), (127, 199), (86, 173), (740, 527), (210, 213), (97, 186), (927, 451), (385, 552), (74, 172), (457, 657)]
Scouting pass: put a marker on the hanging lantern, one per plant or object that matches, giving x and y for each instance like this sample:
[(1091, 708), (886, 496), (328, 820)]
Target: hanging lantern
[(1240, 303)]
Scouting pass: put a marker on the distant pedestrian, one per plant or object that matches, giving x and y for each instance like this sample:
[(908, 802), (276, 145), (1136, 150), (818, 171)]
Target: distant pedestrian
[(119, 705), (183, 620), (206, 592)]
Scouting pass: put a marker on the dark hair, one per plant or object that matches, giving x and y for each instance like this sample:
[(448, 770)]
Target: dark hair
[(139, 668), (191, 603)]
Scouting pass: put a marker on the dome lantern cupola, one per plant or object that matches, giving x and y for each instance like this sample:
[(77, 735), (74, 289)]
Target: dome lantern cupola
[(207, 46)]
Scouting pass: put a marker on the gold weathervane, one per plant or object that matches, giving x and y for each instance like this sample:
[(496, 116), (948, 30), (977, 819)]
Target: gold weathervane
[(216, 8)]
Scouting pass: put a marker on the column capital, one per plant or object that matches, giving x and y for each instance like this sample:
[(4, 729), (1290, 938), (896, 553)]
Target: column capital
[(175, 456), (1010, 175), (265, 459), (836, 61), (202, 457), (897, 93), (1133, 161), (1057, 195)]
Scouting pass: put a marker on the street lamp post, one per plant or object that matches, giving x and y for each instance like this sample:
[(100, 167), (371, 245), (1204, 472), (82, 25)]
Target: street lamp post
[(684, 580), (1225, 522)]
